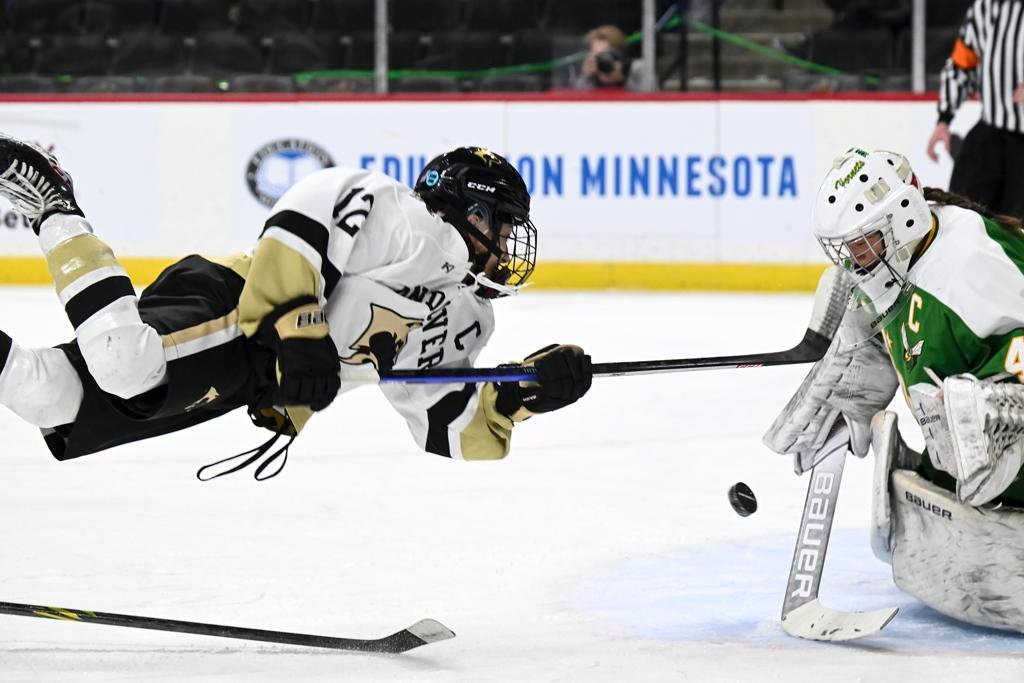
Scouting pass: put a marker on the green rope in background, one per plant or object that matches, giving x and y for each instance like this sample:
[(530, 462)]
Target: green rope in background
[(576, 57), (772, 53)]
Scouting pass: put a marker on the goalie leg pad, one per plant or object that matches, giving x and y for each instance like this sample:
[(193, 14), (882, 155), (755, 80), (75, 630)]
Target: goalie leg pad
[(959, 560), (891, 453)]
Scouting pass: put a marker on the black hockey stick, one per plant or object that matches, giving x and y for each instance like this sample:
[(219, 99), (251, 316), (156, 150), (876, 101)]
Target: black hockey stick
[(803, 614), (830, 301), (421, 633), (810, 349)]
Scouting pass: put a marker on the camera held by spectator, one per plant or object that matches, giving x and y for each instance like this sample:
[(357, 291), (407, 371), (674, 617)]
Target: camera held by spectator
[(607, 64)]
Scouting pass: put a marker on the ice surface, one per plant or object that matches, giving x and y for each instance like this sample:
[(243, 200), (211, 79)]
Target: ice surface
[(602, 549)]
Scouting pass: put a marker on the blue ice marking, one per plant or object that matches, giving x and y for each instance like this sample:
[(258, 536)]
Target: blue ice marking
[(734, 593)]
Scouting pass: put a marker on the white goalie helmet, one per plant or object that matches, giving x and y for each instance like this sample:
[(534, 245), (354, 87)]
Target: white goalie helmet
[(869, 216)]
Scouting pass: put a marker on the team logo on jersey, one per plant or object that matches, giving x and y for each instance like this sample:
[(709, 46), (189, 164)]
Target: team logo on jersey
[(383, 339), (910, 353), (206, 399), (278, 165)]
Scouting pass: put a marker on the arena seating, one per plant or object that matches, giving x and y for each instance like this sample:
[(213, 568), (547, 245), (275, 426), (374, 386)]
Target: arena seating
[(148, 54), (224, 45)]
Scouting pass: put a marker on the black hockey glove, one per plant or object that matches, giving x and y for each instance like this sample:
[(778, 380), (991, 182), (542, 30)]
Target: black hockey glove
[(563, 376), (307, 359)]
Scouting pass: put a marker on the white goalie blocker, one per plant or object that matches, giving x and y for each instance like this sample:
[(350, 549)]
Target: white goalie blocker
[(961, 560)]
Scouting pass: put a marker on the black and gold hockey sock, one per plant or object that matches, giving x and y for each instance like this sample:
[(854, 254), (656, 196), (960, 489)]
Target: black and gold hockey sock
[(87, 275)]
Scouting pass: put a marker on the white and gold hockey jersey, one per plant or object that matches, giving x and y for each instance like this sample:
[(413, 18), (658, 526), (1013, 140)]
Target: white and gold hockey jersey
[(381, 263)]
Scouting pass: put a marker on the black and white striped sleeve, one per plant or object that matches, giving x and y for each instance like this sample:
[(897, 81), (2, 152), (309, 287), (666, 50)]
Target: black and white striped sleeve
[(959, 77)]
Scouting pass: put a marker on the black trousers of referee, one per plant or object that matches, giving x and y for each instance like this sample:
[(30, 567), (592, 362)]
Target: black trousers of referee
[(990, 170)]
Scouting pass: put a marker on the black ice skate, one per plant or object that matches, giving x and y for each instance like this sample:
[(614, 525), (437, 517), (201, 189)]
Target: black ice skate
[(33, 182)]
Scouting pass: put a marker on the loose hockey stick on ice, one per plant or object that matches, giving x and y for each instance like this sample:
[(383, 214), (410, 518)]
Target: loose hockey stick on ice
[(421, 633), (803, 614), (829, 304)]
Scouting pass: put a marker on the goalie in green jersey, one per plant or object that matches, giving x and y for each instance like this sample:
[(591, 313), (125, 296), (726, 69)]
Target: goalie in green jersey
[(937, 309)]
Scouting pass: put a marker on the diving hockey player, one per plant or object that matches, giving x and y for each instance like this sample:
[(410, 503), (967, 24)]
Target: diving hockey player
[(937, 308), (350, 260)]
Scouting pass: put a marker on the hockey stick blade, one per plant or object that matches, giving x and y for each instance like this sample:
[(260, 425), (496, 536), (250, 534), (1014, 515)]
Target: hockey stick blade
[(815, 621), (803, 614), (830, 301), (423, 632)]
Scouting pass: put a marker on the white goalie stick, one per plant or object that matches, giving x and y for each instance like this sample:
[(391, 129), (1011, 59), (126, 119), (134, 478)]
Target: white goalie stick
[(803, 614)]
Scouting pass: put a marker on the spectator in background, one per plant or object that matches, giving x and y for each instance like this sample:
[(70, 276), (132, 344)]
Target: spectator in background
[(989, 168), (607, 64)]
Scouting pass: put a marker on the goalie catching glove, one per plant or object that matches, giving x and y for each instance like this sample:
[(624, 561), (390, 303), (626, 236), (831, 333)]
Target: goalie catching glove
[(854, 380), (564, 375), (307, 359), (973, 429)]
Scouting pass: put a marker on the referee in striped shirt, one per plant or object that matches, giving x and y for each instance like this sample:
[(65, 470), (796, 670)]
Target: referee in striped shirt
[(987, 58)]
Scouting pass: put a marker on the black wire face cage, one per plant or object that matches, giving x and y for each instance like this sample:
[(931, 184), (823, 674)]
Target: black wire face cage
[(521, 248)]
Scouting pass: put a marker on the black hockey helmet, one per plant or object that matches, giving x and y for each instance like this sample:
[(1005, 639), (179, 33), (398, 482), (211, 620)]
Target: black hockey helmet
[(474, 180)]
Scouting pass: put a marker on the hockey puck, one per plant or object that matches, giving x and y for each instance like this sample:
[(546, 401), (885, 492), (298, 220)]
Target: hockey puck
[(742, 499)]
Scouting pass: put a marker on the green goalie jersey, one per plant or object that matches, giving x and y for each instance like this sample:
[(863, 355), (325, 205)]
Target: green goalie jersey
[(963, 311)]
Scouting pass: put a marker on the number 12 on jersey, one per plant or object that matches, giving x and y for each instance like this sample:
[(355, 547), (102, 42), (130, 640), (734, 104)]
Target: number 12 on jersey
[(351, 221)]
